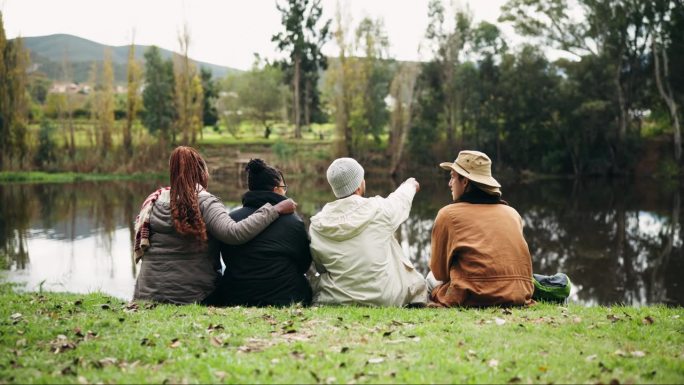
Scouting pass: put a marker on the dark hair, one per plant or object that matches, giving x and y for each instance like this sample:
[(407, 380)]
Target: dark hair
[(187, 169), (474, 194), (262, 177)]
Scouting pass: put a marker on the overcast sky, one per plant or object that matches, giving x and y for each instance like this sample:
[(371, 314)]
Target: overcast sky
[(224, 32)]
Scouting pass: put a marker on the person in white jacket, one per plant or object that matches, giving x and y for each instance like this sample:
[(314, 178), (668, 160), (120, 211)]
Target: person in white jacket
[(358, 259)]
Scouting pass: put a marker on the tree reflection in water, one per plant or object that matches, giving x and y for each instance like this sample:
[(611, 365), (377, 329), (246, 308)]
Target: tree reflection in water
[(619, 241)]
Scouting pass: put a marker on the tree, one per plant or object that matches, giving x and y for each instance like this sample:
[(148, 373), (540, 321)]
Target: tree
[(260, 94), (105, 109), (13, 99), (615, 29), (133, 99), (358, 83), (447, 44), (667, 16), (304, 35), (158, 96), (401, 92), (188, 91), (210, 89)]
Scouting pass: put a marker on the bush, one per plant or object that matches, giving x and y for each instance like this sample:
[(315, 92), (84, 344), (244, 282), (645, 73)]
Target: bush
[(46, 153)]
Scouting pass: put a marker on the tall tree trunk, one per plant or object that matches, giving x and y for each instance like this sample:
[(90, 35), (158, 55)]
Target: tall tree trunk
[(622, 118), (296, 81), (307, 103), (663, 83)]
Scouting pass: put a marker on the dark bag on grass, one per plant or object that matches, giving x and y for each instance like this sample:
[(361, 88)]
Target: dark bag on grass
[(551, 288)]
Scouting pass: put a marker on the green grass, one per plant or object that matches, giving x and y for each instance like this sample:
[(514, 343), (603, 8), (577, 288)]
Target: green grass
[(66, 177), (93, 338)]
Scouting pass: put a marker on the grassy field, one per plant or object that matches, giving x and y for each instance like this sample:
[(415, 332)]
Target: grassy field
[(70, 338)]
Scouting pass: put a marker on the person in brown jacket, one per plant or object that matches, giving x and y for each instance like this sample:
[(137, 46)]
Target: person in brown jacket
[(479, 254)]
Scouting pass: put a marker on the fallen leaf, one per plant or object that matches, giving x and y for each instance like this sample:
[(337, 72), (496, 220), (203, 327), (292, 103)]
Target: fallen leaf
[(21, 342), (591, 357), (638, 354), (577, 320), (333, 380), (499, 321), (415, 339), (68, 371), (377, 360), (16, 316), (620, 353), (212, 328), (648, 320), (216, 341), (61, 344), (613, 318), (543, 369), (175, 343), (604, 368), (108, 361), (83, 380), (493, 363), (220, 375)]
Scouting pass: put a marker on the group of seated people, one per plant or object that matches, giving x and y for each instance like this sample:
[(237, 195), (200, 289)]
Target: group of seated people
[(349, 255)]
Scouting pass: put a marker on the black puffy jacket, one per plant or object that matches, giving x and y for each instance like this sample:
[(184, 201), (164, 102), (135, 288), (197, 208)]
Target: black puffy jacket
[(269, 269)]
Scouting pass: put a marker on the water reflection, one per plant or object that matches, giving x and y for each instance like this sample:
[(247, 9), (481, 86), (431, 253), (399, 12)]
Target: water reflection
[(620, 241)]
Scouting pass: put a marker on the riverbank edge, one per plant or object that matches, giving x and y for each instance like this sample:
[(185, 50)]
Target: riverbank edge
[(70, 177), (91, 338)]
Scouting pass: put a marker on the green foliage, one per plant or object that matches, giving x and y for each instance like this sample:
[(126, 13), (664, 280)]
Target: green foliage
[(210, 89), (46, 154), (282, 150), (78, 338), (158, 96), (261, 95), (304, 36)]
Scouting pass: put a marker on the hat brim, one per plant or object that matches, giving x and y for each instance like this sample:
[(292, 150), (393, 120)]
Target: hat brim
[(485, 180)]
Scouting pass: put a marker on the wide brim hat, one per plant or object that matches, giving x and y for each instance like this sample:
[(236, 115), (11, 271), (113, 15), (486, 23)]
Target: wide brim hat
[(475, 166)]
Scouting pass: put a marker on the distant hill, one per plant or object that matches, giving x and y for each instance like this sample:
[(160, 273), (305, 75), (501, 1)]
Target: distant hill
[(48, 53)]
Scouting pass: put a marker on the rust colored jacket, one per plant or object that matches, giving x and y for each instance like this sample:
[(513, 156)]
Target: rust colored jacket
[(480, 254)]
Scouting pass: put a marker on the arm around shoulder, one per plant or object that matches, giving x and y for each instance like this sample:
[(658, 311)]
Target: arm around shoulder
[(222, 227)]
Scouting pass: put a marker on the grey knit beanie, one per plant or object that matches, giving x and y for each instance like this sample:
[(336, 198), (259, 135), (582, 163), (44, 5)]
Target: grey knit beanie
[(345, 176)]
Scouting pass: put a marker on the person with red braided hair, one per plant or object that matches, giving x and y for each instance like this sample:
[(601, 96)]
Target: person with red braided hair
[(180, 229)]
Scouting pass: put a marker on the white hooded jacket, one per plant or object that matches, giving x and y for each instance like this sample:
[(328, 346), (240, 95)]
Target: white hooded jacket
[(357, 255)]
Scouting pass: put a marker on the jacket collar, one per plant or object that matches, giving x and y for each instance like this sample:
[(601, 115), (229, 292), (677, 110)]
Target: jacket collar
[(257, 199)]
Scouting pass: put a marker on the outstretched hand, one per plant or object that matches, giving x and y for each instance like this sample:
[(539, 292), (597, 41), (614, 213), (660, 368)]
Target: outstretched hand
[(414, 182), (287, 206)]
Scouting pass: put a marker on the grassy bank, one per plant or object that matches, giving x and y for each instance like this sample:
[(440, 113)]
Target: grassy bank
[(71, 338), (66, 177)]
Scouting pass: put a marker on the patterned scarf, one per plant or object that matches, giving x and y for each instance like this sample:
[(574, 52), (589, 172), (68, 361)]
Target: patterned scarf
[(142, 224)]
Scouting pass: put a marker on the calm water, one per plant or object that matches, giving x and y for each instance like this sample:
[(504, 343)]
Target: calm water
[(619, 241)]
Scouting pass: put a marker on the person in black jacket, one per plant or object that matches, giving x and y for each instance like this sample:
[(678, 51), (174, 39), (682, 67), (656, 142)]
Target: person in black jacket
[(269, 269)]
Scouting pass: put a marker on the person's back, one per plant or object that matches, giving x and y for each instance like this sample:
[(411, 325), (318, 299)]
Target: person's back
[(355, 252), (479, 254), (178, 232), (490, 263), (269, 269)]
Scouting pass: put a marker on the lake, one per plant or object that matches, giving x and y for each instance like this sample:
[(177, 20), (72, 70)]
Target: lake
[(620, 241)]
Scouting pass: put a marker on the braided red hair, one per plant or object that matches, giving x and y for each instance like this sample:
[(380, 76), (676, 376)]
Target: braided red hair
[(188, 171)]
